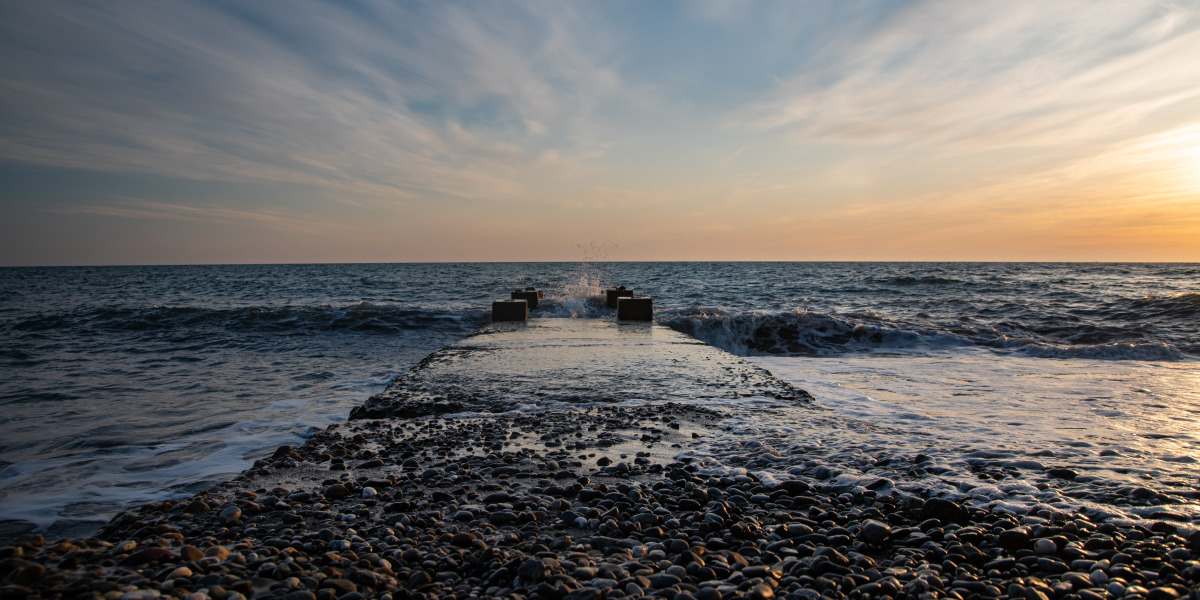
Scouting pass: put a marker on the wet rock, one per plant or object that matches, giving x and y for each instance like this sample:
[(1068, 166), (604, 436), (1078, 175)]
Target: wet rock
[(22, 572), (148, 555), (502, 517), (463, 540), (874, 532), (1015, 539), (340, 587), (945, 511), (231, 514), (191, 553), (663, 580), (532, 570), (336, 491)]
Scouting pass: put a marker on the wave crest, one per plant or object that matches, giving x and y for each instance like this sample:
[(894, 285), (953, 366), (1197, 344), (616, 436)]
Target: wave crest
[(806, 333), (362, 317)]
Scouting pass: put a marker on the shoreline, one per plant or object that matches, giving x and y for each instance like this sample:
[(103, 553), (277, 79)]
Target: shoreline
[(578, 500), (445, 514)]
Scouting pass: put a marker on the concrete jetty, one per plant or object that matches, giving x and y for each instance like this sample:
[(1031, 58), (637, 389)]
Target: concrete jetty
[(553, 363)]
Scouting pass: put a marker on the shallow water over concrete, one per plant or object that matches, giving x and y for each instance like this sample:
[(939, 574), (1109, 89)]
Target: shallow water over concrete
[(552, 363)]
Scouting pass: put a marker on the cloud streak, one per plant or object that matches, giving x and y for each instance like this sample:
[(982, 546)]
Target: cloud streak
[(134, 208), (375, 97), (991, 74)]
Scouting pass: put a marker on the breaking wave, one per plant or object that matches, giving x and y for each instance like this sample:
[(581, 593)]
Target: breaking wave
[(806, 333)]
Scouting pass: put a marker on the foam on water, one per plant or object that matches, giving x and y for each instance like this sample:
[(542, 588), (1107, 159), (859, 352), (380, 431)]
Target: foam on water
[(125, 384), (994, 429)]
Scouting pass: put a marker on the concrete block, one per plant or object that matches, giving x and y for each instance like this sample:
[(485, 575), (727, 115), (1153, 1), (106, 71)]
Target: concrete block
[(510, 310), (611, 295), (529, 295), (635, 309)]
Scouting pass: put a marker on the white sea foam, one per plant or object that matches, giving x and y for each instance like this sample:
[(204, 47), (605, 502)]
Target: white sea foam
[(974, 412)]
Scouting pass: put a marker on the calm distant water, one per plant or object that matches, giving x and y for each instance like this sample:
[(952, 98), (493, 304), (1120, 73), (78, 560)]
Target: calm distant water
[(121, 384)]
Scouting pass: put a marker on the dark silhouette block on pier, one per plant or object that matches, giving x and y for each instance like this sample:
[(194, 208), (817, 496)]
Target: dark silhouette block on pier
[(510, 310), (612, 294), (635, 309), (529, 295)]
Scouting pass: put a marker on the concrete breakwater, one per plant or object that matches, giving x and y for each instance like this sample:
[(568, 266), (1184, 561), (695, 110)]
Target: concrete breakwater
[(548, 459)]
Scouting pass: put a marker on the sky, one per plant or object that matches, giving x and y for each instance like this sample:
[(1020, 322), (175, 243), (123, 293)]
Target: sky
[(172, 132)]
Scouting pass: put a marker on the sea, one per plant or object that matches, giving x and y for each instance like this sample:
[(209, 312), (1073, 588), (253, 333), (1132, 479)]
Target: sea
[(1018, 386)]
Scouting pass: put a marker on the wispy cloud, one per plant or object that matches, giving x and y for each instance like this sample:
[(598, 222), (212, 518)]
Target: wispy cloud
[(990, 74), (379, 97), (134, 208)]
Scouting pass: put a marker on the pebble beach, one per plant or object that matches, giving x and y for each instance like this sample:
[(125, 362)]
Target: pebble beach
[(441, 507), (465, 480)]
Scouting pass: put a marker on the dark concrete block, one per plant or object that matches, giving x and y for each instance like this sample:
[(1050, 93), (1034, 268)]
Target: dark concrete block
[(510, 310), (635, 309), (611, 295), (530, 296)]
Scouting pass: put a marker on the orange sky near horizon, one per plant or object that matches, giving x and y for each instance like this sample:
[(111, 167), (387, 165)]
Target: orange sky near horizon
[(709, 130)]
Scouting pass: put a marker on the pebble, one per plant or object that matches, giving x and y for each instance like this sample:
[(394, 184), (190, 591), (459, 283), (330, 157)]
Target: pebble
[(231, 514), (874, 532), (507, 522)]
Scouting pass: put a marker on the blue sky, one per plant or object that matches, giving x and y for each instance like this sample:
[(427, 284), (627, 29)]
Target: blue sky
[(305, 131)]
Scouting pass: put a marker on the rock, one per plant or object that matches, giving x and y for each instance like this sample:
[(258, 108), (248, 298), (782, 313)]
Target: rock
[(14, 592), (179, 572), (1014, 539), (336, 491), (586, 593), (197, 506), (532, 570), (231, 514), (463, 540), (1062, 473), (339, 586), (24, 572), (945, 511), (217, 552), (147, 555), (1162, 593), (1045, 546), (498, 498), (874, 532), (502, 517), (139, 595), (191, 553), (761, 591), (663, 580)]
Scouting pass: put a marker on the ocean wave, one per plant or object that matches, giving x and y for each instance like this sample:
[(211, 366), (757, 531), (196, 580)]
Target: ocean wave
[(922, 280), (362, 317), (1182, 306), (800, 332), (806, 333)]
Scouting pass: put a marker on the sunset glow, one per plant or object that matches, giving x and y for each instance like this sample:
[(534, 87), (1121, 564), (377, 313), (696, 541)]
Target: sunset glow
[(378, 132)]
